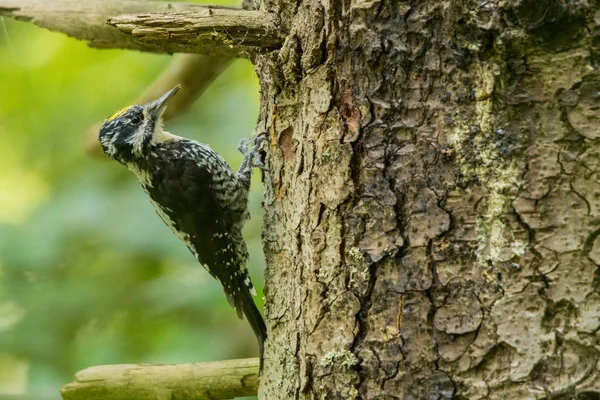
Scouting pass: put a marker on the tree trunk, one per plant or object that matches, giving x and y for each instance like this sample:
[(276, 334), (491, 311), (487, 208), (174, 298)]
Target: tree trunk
[(433, 200)]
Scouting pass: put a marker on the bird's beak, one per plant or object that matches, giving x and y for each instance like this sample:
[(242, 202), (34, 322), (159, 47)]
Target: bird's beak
[(157, 107)]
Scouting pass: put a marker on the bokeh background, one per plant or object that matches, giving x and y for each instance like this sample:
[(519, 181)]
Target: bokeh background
[(89, 274)]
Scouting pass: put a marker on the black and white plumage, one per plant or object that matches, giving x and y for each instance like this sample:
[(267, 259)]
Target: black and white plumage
[(195, 192)]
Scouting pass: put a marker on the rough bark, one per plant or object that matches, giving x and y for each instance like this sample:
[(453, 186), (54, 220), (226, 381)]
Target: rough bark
[(199, 381), (432, 207)]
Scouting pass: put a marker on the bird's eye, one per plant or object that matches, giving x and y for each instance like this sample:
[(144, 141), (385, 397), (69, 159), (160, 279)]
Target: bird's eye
[(136, 120)]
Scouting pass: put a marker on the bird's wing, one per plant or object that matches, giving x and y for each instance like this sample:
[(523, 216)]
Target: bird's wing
[(185, 201), (183, 198)]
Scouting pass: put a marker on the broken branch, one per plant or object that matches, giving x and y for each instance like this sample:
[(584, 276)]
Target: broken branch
[(224, 32), (198, 381), (153, 26)]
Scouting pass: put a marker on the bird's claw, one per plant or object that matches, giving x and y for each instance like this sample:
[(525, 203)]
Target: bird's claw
[(252, 155), (243, 145), (256, 163)]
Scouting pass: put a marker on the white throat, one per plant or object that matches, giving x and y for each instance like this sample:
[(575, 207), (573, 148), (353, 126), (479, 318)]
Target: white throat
[(161, 136)]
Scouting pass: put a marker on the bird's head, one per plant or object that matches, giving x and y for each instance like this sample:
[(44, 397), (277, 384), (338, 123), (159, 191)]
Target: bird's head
[(128, 133)]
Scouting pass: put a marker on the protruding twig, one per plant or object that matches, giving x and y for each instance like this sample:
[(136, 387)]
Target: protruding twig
[(198, 381)]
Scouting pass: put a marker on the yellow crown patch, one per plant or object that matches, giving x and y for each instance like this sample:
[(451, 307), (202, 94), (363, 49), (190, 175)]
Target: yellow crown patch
[(119, 113)]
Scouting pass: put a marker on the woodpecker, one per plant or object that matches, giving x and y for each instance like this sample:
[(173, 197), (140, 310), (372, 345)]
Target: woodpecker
[(195, 192)]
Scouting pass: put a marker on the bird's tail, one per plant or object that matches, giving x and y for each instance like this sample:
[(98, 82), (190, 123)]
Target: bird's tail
[(256, 322), (244, 303)]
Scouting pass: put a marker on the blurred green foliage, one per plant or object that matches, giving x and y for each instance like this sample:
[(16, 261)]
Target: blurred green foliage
[(89, 274)]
